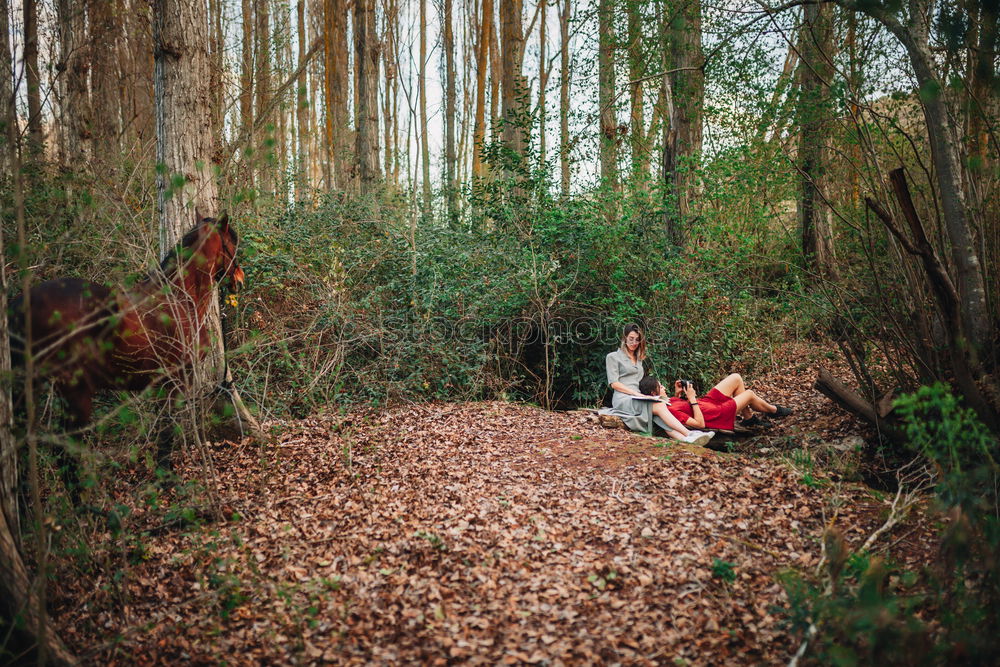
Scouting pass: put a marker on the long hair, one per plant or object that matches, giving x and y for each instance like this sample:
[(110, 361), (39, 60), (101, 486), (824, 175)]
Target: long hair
[(640, 351)]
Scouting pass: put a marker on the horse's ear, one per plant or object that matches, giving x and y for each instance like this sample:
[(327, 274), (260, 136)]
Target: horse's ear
[(224, 223)]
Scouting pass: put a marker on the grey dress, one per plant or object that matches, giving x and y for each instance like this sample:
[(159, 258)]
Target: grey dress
[(621, 369)]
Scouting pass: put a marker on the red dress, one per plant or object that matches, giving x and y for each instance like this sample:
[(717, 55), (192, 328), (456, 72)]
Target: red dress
[(719, 410)]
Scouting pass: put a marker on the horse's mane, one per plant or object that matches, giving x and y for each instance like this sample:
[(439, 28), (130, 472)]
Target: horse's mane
[(169, 265)]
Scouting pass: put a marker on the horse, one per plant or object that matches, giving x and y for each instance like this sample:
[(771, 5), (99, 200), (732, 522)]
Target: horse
[(86, 337)]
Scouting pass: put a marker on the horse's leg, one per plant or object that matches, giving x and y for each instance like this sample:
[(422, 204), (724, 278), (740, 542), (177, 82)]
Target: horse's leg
[(165, 428), (79, 400)]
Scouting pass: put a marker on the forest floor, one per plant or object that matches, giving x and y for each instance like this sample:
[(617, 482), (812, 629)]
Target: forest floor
[(481, 533)]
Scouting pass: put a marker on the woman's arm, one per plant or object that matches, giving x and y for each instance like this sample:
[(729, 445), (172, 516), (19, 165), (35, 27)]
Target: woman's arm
[(618, 386), (697, 419)]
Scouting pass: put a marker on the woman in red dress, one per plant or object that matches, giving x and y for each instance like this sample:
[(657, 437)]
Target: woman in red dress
[(718, 408)]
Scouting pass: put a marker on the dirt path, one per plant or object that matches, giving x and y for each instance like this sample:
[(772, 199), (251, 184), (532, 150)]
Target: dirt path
[(478, 533)]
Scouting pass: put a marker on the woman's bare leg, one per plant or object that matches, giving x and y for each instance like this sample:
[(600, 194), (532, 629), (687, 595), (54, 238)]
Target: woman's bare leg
[(676, 429), (733, 385), (749, 399)]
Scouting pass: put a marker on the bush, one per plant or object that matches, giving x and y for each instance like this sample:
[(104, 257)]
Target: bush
[(874, 612)]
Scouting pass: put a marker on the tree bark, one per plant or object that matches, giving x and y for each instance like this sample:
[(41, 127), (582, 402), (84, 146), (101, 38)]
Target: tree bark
[(482, 64), (543, 81), (637, 116), (608, 147), (302, 109), (366, 62), (687, 84), (425, 158), (74, 108), (946, 158), (262, 89), (33, 80), (105, 18), (184, 149), (247, 78), (814, 117), (449, 118), (513, 88), (564, 147)]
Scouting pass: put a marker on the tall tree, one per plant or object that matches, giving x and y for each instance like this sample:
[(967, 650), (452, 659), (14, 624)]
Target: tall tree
[(814, 118), (543, 79), (425, 158), (687, 82), (606, 93), (32, 78), (637, 117), (301, 107), (479, 128), (105, 18), (564, 167), (911, 27), (366, 99), (184, 150), (513, 84), (449, 117), (74, 108), (246, 74), (262, 88)]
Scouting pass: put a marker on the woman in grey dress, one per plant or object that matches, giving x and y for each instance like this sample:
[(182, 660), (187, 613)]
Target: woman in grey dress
[(625, 370)]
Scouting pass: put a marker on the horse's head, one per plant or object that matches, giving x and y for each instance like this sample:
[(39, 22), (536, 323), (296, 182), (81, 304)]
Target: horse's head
[(218, 243)]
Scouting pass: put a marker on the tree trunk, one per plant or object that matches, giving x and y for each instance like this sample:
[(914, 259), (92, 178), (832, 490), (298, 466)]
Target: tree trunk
[(425, 158), (105, 17), (262, 87), (672, 222), (606, 94), (33, 80), (184, 148), (247, 78), (564, 148), (449, 118), (513, 81), (74, 110), (687, 83), (366, 63), (946, 158), (815, 116), (479, 131), (302, 109), (637, 116), (543, 82), (25, 626)]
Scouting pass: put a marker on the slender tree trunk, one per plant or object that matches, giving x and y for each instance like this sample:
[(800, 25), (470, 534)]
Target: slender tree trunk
[(479, 131), (143, 124), (449, 116), (75, 107), (688, 87), (543, 80), (637, 116), (496, 74), (184, 145), (302, 108), (105, 18), (606, 94), (513, 80), (422, 95), (247, 78), (672, 222), (366, 99), (262, 88), (564, 147), (32, 79), (8, 144), (946, 158), (218, 69), (814, 112)]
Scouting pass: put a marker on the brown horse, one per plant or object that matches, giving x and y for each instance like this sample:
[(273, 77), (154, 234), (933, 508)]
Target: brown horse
[(86, 337)]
